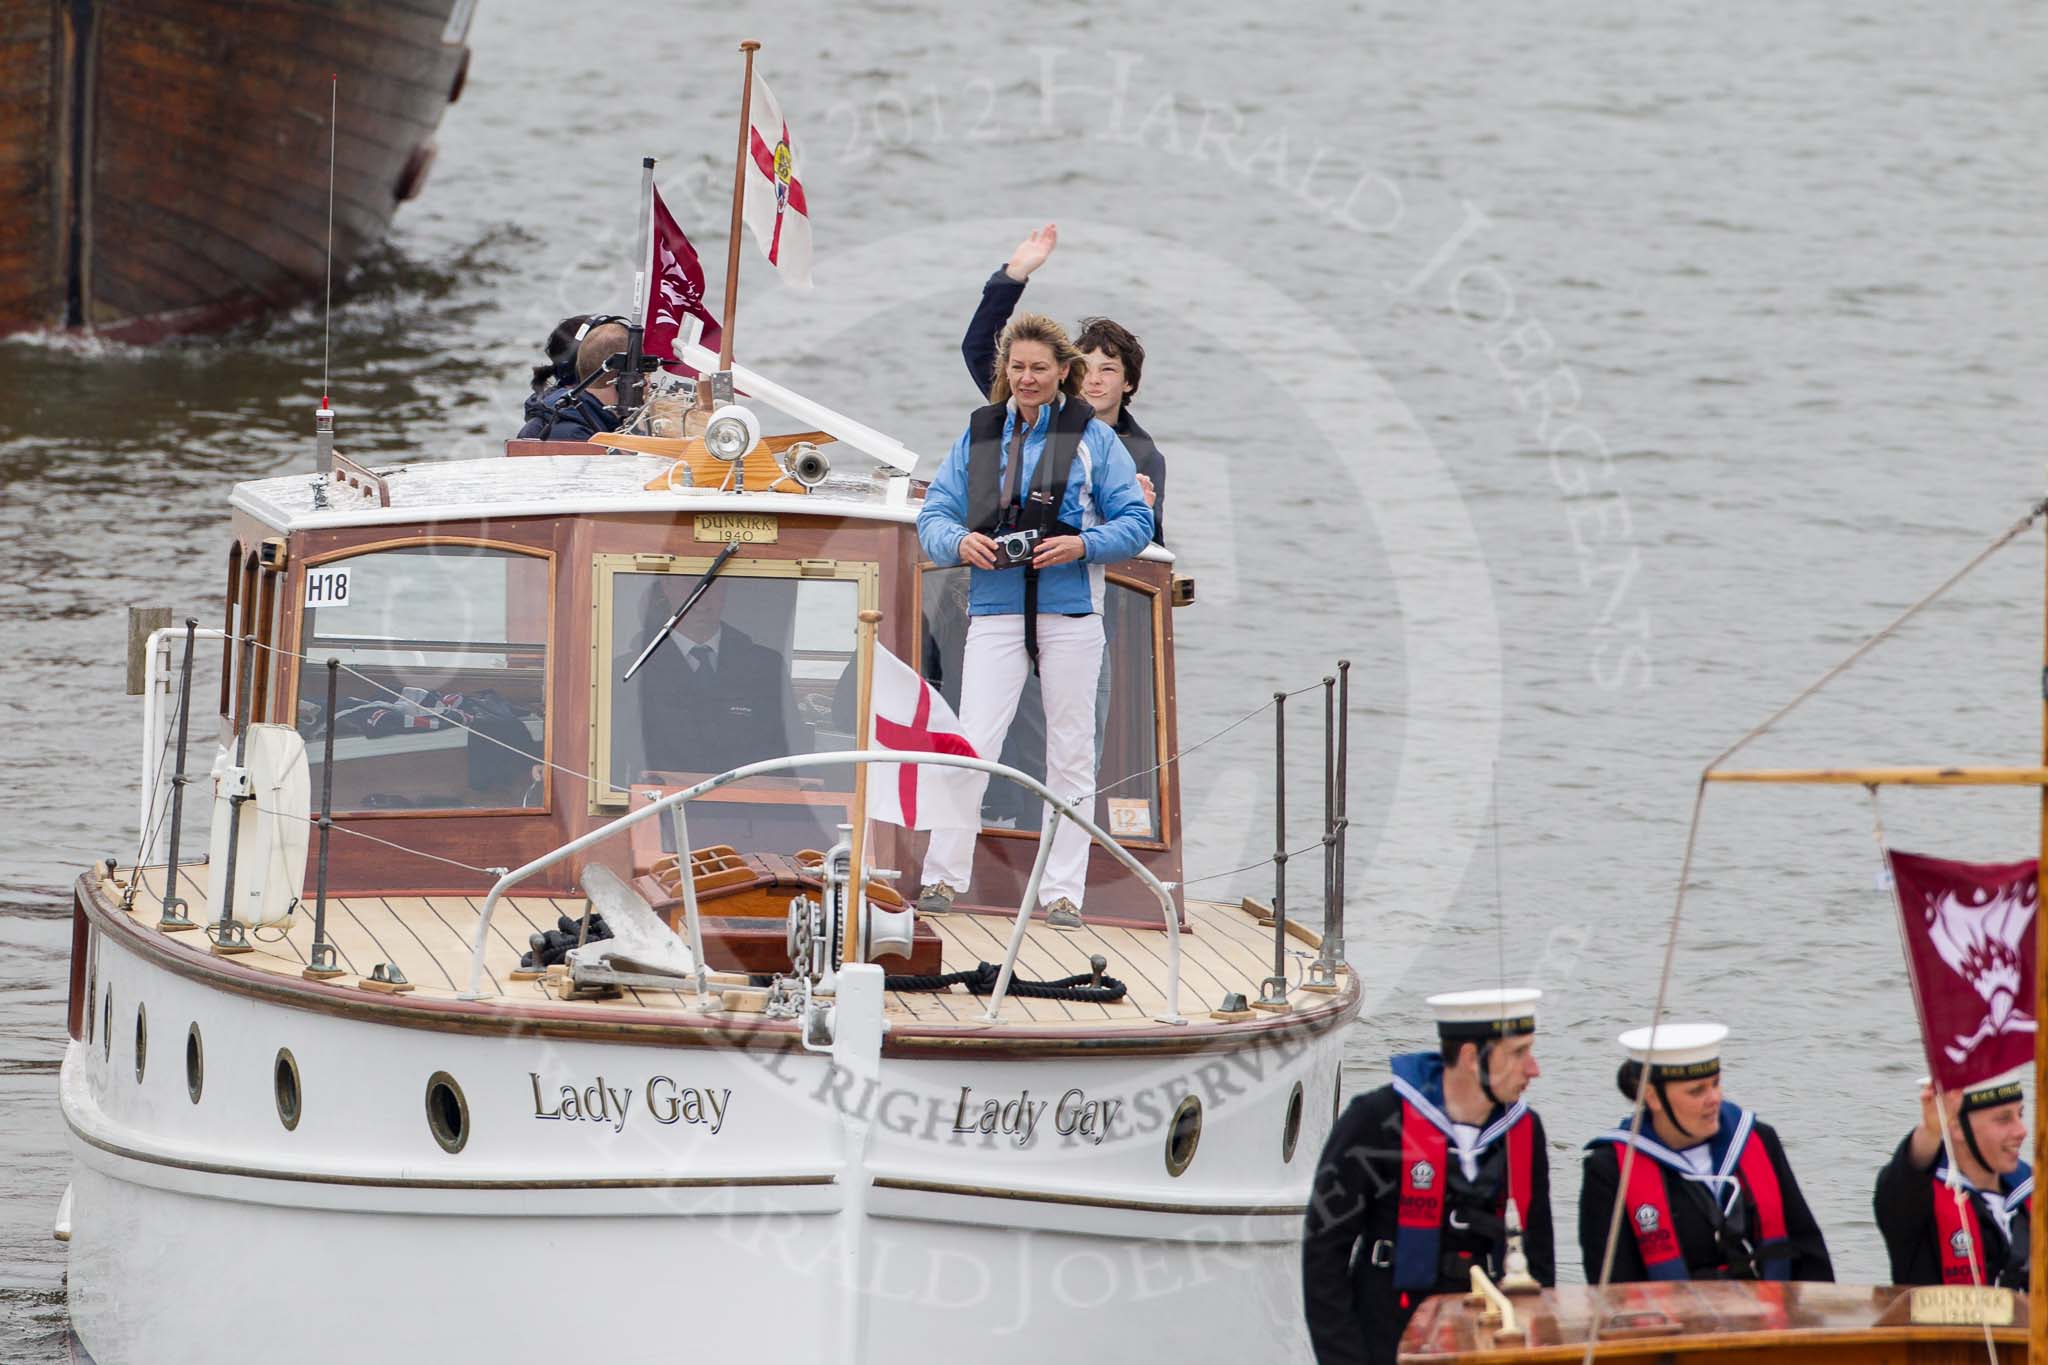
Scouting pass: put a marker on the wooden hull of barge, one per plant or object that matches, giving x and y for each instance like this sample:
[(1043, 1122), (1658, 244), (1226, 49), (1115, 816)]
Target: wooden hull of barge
[(1723, 1320), (164, 162)]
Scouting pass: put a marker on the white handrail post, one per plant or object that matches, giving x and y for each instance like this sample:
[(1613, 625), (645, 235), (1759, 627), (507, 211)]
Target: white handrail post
[(686, 874), (155, 690), (995, 1000), (483, 928)]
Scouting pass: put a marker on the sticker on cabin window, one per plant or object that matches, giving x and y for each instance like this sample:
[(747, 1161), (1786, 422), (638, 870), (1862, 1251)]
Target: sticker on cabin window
[(327, 587), (1130, 817)]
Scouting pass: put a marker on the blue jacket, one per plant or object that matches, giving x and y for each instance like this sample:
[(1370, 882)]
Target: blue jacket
[(999, 295), (550, 418), (1102, 499)]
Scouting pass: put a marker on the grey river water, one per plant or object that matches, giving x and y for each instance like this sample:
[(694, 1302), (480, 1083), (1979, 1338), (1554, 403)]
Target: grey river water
[(1592, 376)]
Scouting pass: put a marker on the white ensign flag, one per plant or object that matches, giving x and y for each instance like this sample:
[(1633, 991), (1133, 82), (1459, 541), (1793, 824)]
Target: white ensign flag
[(775, 207)]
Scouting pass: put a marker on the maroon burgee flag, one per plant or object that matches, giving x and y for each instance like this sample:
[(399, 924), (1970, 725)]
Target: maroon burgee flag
[(675, 290), (1970, 946)]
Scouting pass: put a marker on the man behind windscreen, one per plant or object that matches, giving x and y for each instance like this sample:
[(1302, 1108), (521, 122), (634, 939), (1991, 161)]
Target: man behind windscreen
[(711, 698), (1035, 459)]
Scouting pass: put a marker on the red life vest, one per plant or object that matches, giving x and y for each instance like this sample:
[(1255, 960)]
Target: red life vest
[(1957, 1241), (1649, 1211), (1425, 1156)]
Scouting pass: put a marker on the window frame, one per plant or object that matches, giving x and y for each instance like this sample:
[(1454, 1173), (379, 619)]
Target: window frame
[(1159, 599), (300, 645), (604, 798)]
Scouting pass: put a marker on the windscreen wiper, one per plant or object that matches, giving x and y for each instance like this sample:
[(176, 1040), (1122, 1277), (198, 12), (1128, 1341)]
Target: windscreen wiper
[(696, 591)]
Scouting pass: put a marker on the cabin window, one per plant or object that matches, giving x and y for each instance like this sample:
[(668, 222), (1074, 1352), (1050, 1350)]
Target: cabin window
[(1127, 715), (762, 666), (442, 694)]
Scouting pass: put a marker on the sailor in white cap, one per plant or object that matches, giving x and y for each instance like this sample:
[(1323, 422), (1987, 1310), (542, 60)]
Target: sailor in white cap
[(1932, 1236), (1709, 1194), (1415, 1184)]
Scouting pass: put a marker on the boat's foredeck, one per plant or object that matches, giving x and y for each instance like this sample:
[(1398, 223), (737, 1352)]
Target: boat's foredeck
[(1224, 949)]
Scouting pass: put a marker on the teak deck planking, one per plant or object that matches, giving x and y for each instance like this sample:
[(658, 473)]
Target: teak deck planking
[(428, 939)]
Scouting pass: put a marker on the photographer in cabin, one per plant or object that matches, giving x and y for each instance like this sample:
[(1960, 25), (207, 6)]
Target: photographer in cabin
[(1036, 497)]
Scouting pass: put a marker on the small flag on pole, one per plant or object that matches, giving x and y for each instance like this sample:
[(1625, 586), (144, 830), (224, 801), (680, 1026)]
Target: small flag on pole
[(776, 209), (1969, 931), (911, 717), (675, 290)]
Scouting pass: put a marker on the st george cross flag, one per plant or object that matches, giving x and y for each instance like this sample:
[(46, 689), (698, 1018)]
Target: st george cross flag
[(1970, 944), (775, 208), (675, 290), (910, 717)]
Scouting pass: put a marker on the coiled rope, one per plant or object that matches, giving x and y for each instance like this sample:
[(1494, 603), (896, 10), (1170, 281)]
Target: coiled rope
[(981, 980)]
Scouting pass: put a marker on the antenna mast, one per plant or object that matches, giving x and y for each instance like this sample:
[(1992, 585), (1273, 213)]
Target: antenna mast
[(327, 324)]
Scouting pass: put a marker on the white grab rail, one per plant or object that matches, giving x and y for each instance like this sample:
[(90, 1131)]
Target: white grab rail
[(157, 690), (822, 760)]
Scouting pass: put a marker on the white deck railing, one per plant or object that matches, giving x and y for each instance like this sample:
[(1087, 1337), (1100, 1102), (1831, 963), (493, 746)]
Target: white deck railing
[(159, 714), (677, 801)]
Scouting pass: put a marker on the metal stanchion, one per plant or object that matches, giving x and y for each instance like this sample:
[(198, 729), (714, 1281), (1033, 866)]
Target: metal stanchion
[(323, 964), (1333, 945), (1273, 990), (1321, 976), (173, 918), (227, 934)]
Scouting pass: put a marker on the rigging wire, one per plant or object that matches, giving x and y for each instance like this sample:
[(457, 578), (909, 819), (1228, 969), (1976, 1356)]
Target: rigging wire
[(1500, 925), (1251, 867), (401, 848), (1185, 750), (448, 721), (1635, 1125), (592, 777)]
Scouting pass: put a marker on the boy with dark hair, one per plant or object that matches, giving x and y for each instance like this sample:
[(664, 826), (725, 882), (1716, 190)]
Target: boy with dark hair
[(1115, 362)]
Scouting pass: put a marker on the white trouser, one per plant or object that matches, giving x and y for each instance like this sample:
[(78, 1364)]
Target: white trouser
[(992, 673)]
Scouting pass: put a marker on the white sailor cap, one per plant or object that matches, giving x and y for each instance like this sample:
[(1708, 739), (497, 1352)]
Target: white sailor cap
[(1993, 1091), (1485, 1014), (1677, 1052)]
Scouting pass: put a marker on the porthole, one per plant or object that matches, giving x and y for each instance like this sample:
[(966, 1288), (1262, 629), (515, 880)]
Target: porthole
[(287, 1089), (1290, 1130), (141, 1041), (107, 1025), (92, 992), (447, 1112), (1183, 1133), (195, 1064)]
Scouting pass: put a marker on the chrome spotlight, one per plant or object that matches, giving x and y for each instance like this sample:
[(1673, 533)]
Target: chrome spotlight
[(805, 463), (733, 431)]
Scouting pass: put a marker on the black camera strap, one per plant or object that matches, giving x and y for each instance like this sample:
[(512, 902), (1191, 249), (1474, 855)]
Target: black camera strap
[(1031, 616)]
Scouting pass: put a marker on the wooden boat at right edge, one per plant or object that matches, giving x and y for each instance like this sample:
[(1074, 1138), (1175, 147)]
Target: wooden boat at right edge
[(1770, 1322)]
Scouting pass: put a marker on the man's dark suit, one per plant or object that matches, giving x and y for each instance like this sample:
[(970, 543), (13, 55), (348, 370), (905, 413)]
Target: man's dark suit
[(739, 710)]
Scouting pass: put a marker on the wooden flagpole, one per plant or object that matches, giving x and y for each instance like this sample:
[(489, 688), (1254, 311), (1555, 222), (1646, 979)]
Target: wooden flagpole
[(864, 727), (739, 195)]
